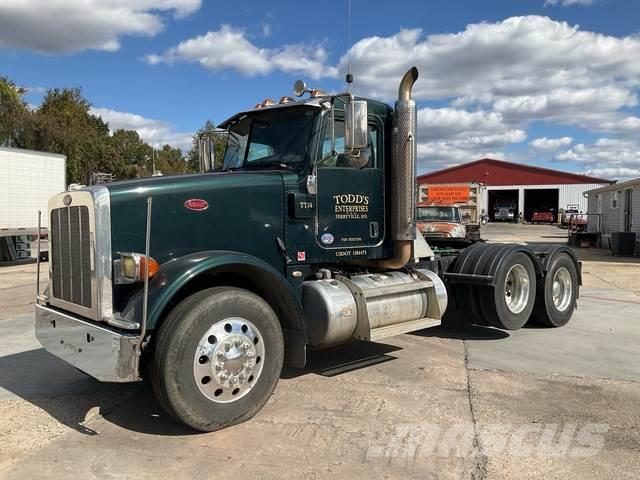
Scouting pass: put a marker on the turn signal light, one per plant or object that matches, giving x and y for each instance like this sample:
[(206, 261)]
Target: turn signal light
[(131, 267)]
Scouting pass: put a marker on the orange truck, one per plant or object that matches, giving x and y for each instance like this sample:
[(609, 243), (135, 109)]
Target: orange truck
[(462, 197)]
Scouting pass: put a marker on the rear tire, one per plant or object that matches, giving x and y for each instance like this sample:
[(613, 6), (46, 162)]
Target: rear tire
[(556, 299), (218, 358), (508, 304)]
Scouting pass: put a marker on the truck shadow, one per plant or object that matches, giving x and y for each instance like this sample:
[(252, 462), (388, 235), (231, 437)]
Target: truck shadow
[(70, 397), (464, 331)]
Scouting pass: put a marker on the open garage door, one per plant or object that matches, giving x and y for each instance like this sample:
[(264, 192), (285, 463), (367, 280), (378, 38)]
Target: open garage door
[(503, 205), (541, 200)]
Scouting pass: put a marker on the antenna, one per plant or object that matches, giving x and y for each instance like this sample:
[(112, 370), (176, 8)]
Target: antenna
[(349, 77)]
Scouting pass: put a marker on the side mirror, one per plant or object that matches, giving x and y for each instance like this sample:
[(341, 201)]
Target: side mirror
[(356, 134), (211, 149), (206, 152)]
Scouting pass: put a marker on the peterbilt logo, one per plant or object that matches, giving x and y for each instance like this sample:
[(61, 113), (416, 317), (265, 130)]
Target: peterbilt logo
[(196, 204)]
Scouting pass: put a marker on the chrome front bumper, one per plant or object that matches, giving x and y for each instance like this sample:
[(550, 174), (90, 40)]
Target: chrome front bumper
[(102, 353)]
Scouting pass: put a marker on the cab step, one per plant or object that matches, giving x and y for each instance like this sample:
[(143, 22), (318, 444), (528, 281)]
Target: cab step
[(399, 328)]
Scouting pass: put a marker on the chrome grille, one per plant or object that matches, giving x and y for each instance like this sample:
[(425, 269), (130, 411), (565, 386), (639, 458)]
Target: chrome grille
[(71, 255)]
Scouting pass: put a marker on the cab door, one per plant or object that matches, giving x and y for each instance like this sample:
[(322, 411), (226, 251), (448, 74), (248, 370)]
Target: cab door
[(350, 199)]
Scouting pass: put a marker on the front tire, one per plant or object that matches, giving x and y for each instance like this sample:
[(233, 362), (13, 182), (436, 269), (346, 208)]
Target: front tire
[(218, 358)]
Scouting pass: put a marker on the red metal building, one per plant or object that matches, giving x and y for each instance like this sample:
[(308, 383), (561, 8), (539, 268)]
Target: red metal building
[(492, 172), (524, 188)]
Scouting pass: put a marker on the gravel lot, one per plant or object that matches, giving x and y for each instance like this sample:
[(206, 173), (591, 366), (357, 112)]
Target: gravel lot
[(477, 403)]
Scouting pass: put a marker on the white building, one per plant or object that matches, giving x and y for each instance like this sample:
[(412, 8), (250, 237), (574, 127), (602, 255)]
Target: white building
[(615, 208)]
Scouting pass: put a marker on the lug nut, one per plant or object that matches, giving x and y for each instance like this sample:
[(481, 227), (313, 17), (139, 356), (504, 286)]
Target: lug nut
[(249, 354), (218, 366), (227, 347), (238, 342), (221, 356), (223, 377), (245, 346), (242, 377)]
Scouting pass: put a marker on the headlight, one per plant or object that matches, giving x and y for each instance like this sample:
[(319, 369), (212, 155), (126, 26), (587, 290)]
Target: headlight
[(131, 267)]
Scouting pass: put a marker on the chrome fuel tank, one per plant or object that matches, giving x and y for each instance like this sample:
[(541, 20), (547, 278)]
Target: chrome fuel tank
[(372, 306)]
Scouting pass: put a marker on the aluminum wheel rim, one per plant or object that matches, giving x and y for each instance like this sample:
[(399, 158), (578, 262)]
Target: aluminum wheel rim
[(228, 360), (517, 288), (562, 289)]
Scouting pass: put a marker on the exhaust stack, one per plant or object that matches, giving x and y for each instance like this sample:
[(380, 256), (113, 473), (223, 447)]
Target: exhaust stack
[(403, 170), (403, 177)]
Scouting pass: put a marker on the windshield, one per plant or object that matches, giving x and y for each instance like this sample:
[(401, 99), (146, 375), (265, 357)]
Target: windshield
[(444, 214), (280, 137)]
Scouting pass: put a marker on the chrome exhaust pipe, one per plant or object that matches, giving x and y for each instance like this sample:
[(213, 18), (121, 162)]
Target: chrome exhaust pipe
[(403, 177), (403, 169)]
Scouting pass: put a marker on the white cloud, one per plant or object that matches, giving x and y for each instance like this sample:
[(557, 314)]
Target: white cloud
[(527, 68), (500, 77), (155, 132), (448, 135), (229, 49), (443, 154), (606, 155), (568, 3), (566, 105), (550, 144), (519, 56), (63, 26), (619, 174)]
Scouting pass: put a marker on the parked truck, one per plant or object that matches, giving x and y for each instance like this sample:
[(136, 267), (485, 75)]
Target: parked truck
[(574, 219), (304, 238), (464, 196), (441, 224), (28, 179)]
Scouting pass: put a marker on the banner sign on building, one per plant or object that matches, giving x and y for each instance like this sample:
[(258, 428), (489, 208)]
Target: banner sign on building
[(448, 193)]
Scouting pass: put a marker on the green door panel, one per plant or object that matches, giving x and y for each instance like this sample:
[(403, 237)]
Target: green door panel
[(350, 207)]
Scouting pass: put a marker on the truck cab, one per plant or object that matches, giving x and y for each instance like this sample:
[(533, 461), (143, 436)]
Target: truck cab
[(300, 233), (436, 221)]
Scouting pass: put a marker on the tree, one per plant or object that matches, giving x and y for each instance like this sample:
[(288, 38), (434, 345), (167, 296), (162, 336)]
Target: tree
[(134, 155), (14, 114), (63, 124), (171, 161)]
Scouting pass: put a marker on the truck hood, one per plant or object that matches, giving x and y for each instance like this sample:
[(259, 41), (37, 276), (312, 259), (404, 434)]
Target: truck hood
[(449, 229), (241, 211)]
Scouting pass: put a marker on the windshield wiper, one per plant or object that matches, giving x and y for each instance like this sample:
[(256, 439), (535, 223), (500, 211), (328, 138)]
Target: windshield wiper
[(271, 163)]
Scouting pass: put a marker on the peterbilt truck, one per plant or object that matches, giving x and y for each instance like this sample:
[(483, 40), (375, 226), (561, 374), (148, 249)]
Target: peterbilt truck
[(303, 236)]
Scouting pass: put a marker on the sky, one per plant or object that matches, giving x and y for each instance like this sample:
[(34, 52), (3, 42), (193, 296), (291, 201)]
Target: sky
[(553, 83)]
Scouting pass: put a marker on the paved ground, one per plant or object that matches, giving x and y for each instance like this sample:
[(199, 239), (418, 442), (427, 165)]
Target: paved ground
[(479, 403)]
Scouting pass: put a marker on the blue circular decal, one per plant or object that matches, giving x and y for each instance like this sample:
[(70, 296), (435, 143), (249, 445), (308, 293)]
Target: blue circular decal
[(327, 238)]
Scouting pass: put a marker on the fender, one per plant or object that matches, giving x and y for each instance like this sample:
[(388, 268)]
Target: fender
[(479, 264), (173, 276), (546, 253)]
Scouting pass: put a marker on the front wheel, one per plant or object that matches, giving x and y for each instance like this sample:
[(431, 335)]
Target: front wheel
[(218, 358)]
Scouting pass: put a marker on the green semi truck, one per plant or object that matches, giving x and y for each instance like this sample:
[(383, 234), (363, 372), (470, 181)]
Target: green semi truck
[(299, 234)]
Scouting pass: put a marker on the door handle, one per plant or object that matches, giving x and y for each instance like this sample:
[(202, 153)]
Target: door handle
[(374, 230)]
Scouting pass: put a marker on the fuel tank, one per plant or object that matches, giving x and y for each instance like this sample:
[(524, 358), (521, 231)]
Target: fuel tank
[(372, 306)]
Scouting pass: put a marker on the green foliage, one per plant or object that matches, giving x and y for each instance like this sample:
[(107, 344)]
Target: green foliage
[(63, 123), (13, 113)]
